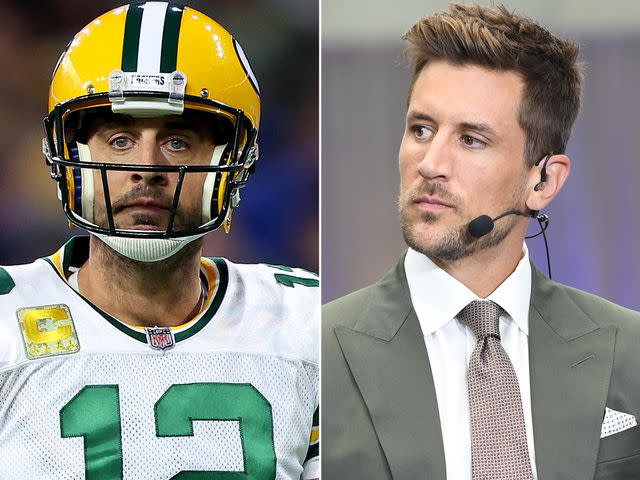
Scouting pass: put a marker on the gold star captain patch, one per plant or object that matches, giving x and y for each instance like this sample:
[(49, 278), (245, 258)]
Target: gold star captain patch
[(47, 331)]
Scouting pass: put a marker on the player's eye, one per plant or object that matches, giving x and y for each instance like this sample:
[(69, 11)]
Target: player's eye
[(472, 142), (120, 142), (177, 144), (422, 132)]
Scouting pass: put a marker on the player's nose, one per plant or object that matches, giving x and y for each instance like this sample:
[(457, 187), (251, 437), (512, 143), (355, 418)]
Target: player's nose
[(435, 162), (151, 156)]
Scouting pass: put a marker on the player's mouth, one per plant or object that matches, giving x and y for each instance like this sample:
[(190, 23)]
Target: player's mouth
[(145, 214), (430, 203), (146, 205)]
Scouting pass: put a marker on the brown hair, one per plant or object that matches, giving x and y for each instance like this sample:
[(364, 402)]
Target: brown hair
[(495, 38)]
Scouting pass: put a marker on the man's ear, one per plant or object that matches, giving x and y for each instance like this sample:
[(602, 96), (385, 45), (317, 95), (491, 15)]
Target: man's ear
[(543, 187)]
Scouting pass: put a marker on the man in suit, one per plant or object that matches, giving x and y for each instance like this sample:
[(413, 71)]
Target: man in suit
[(465, 361)]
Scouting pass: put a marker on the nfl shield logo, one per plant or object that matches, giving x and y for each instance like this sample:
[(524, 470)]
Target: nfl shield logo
[(159, 338)]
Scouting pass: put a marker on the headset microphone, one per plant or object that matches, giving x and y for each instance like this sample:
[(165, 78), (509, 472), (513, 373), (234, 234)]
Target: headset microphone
[(482, 225)]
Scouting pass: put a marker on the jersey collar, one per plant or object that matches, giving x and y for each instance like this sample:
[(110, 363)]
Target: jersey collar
[(73, 254)]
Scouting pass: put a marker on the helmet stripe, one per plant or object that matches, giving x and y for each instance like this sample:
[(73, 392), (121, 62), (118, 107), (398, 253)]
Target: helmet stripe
[(246, 66), (169, 56), (131, 38), (55, 69), (150, 36)]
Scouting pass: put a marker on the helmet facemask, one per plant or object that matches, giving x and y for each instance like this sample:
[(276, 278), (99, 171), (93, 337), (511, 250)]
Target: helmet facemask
[(86, 190)]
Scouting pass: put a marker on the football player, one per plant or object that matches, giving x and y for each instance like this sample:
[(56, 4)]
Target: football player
[(125, 355)]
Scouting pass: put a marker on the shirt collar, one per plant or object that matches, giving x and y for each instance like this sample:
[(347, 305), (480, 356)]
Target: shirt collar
[(437, 297)]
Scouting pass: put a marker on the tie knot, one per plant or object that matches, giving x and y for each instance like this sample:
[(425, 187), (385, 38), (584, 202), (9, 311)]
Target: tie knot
[(482, 317)]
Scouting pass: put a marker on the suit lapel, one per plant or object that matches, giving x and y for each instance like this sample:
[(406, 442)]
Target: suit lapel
[(570, 361), (388, 359)]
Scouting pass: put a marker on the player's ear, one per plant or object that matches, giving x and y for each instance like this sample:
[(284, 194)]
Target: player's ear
[(546, 180)]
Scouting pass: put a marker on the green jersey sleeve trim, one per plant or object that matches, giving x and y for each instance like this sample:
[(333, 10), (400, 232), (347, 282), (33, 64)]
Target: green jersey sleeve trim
[(6, 282)]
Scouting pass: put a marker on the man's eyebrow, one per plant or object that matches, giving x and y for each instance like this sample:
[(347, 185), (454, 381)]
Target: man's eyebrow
[(127, 121), (179, 125), (414, 115), (479, 127), (123, 121)]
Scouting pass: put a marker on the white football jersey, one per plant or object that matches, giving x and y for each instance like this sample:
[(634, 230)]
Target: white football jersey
[(230, 395)]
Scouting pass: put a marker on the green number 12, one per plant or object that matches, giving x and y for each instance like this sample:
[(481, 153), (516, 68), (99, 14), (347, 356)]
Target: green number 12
[(94, 413)]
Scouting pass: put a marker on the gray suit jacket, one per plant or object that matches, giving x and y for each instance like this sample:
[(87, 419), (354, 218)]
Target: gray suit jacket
[(379, 411)]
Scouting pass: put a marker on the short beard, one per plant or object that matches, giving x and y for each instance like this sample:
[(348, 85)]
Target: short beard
[(457, 243), (183, 221)]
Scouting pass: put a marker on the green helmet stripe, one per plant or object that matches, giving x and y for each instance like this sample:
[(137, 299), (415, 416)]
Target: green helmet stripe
[(170, 35), (131, 38)]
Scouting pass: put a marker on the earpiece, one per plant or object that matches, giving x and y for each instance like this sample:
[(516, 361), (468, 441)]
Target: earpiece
[(543, 173)]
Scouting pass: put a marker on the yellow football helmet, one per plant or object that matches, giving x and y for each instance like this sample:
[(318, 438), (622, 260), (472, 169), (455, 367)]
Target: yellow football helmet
[(153, 59)]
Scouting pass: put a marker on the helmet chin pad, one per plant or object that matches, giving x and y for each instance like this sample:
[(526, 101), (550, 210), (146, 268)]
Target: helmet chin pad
[(147, 249)]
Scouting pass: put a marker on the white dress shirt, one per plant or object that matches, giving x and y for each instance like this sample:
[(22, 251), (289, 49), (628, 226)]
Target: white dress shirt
[(437, 298)]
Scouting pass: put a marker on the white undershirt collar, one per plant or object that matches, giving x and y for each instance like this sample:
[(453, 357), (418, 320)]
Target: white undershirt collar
[(437, 296)]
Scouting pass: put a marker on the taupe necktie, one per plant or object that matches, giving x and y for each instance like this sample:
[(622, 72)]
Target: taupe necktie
[(498, 436)]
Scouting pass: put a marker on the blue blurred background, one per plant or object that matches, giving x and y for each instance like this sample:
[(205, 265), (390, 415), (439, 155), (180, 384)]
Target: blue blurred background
[(277, 221), (594, 227)]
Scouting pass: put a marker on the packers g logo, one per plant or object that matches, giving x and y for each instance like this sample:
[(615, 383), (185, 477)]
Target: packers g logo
[(47, 331)]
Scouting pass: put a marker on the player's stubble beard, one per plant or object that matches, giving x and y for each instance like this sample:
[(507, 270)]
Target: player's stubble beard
[(456, 243), (184, 220), (173, 279)]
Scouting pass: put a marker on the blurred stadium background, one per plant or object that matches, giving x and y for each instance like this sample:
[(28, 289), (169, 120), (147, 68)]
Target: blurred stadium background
[(594, 230), (277, 221)]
